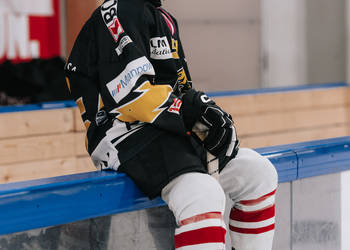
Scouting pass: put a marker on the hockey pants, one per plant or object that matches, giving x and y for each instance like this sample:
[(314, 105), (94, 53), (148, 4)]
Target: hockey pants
[(198, 203)]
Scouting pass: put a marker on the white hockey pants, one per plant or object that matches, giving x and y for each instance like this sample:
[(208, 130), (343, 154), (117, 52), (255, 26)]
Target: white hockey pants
[(198, 202)]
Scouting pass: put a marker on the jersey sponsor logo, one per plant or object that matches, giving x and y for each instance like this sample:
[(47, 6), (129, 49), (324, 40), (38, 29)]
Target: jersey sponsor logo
[(71, 67), (125, 40), (110, 18), (160, 48), (120, 86), (109, 12), (205, 98), (101, 117), (116, 29), (175, 107)]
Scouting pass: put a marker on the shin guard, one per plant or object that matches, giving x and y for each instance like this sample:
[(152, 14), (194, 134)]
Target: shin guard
[(252, 223)]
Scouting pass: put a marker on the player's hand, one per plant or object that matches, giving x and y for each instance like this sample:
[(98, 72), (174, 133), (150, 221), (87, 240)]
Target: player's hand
[(221, 129), (197, 106)]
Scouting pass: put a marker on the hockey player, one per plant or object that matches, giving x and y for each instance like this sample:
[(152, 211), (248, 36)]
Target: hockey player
[(128, 75)]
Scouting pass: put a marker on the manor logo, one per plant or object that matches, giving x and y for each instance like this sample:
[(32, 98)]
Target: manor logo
[(121, 86)]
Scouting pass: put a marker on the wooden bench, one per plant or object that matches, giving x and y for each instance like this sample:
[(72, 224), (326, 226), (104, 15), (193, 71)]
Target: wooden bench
[(46, 143), (269, 119)]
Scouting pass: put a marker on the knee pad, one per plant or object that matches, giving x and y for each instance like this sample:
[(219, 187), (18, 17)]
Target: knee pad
[(192, 194), (248, 176), (265, 176), (198, 203)]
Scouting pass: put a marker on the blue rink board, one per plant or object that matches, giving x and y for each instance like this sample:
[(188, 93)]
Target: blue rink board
[(60, 200)]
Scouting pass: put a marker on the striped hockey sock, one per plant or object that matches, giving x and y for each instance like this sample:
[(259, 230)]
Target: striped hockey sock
[(252, 223), (203, 231)]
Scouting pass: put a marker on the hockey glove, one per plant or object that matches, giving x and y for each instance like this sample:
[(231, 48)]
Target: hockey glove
[(220, 129), (197, 106)]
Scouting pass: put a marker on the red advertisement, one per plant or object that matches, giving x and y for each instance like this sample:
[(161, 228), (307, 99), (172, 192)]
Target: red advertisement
[(29, 29)]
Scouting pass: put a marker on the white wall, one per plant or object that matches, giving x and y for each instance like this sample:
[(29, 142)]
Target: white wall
[(326, 40), (283, 43), (221, 39), (303, 42)]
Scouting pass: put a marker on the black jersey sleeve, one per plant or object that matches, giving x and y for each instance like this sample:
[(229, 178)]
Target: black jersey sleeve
[(82, 82)]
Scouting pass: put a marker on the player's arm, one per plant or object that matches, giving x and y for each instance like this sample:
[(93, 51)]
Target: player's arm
[(81, 77), (142, 99), (187, 83)]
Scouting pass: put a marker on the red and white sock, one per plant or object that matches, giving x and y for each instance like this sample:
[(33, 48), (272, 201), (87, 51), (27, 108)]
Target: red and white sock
[(203, 231), (252, 223)]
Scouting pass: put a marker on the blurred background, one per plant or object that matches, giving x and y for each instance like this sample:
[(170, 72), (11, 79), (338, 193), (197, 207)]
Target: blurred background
[(242, 44), (230, 44)]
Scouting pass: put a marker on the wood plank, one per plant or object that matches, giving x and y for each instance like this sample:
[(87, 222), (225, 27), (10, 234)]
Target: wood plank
[(84, 164), (285, 101), (265, 140), (285, 121), (36, 170), (78, 122), (73, 165), (43, 169), (79, 144), (36, 148), (19, 124)]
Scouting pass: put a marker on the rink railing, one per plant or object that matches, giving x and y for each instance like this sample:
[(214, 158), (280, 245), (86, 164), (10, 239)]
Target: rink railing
[(60, 200)]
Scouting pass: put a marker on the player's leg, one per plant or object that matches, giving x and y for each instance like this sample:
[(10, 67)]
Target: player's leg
[(250, 180), (198, 203)]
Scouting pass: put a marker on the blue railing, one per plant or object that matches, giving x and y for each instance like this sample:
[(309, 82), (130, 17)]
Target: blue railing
[(54, 201), (278, 89)]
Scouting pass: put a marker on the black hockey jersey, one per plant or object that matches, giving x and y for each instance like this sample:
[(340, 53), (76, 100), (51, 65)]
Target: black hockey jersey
[(126, 72)]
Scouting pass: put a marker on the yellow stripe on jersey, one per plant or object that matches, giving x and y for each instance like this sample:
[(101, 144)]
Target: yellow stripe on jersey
[(86, 143), (68, 83), (81, 105), (146, 107), (175, 47), (87, 124), (100, 102)]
